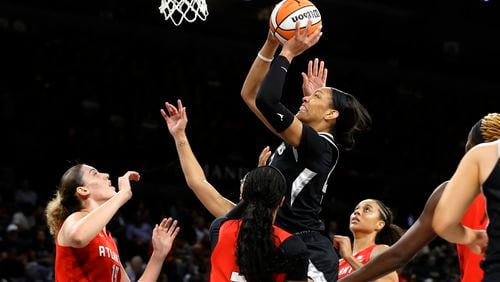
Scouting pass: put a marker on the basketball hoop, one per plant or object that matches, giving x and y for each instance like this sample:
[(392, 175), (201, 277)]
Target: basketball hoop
[(179, 10)]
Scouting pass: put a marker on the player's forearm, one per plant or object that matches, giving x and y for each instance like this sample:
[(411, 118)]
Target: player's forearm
[(195, 177), (257, 73), (153, 268), (191, 168), (456, 233), (91, 224)]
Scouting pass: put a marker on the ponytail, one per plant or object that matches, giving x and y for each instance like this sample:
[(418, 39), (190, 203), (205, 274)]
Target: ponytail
[(263, 191), (65, 201), (390, 233), (353, 118)]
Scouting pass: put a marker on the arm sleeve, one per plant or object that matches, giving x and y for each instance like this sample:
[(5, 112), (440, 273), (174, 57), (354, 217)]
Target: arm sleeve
[(268, 99)]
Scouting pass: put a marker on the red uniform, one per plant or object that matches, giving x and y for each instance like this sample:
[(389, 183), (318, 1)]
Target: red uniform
[(98, 261), (223, 259), (475, 217), (362, 256)]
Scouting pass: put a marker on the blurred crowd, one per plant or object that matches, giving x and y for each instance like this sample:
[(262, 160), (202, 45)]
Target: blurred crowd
[(27, 248)]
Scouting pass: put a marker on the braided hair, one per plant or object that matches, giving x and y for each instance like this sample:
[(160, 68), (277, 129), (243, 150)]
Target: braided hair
[(263, 192)]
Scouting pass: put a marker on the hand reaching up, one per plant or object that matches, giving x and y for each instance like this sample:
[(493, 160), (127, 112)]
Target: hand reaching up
[(176, 119), (163, 236), (315, 77)]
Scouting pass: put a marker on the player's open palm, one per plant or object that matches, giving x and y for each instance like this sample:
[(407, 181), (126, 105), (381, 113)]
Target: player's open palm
[(175, 117), (164, 235), (315, 77)]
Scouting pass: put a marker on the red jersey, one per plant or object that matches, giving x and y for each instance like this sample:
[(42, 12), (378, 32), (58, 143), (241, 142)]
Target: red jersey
[(362, 256), (475, 217), (98, 261), (223, 259)]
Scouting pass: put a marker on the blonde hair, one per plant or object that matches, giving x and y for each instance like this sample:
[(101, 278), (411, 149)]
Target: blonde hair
[(490, 127), (65, 201)]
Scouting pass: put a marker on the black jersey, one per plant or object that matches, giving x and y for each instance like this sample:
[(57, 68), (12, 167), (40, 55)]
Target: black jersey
[(491, 190), (307, 169)]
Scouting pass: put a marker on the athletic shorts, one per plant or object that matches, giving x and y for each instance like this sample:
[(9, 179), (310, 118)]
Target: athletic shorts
[(323, 259)]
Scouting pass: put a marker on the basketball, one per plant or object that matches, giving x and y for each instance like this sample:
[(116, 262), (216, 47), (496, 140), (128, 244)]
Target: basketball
[(287, 12)]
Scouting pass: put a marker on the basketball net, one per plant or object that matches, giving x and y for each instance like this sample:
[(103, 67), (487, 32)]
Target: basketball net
[(179, 10)]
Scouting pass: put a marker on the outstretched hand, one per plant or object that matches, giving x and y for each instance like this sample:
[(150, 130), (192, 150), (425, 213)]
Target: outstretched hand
[(164, 235), (301, 41), (176, 119), (315, 77)]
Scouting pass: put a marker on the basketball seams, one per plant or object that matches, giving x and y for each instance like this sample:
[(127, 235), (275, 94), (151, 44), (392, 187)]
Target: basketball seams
[(282, 16)]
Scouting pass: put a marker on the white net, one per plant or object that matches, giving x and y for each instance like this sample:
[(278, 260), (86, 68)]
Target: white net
[(179, 10)]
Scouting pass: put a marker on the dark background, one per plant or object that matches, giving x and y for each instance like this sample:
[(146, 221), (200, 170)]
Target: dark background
[(84, 81)]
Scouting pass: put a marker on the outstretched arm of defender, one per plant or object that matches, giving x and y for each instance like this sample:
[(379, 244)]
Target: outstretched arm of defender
[(176, 120)]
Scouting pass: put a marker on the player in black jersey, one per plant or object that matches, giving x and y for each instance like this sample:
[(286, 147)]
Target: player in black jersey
[(327, 121), (254, 255)]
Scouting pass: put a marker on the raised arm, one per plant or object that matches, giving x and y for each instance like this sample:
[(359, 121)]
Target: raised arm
[(398, 255), (268, 100), (176, 120), (162, 239), (81, 227), (256, 74)]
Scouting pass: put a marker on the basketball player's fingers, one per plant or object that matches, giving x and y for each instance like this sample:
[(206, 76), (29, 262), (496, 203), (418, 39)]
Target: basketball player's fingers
[(308, 27), (305, 80), (174, 109), (165, 223), (315, 38), (170, 109), (176, 231), (264, 156), (179, 104), (297, 28), (163, 114), (321, 68), (309, 68), (155, 231), (172, 228), (325, 75), (134, 175), (315, 67)]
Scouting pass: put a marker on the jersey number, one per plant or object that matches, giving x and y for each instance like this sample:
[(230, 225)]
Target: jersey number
[(114, 275), (236, 277)]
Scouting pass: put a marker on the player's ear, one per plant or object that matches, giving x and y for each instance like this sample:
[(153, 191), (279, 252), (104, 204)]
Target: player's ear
[(331, 114)]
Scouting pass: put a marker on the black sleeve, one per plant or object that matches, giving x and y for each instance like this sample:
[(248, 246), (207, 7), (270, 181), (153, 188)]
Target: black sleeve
[(269, 96), (315, 151), (296, 257), (213, 234)]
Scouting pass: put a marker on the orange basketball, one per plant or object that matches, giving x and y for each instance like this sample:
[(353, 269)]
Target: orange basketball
[(287, 12)]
